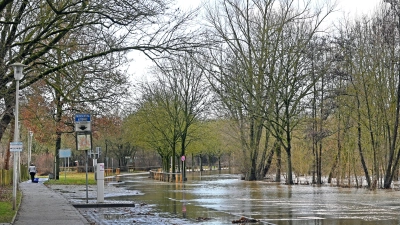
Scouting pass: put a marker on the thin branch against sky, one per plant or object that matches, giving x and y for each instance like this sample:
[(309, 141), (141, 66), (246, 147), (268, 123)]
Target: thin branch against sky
[(139, 68)]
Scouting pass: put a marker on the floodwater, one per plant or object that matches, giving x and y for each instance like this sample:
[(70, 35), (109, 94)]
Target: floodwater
[(218, 198)]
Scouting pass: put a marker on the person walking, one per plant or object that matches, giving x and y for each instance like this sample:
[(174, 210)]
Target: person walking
[(32, 171)]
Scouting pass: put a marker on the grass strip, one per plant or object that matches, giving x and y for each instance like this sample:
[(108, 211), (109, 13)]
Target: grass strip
[(6, 203), (72, 178)]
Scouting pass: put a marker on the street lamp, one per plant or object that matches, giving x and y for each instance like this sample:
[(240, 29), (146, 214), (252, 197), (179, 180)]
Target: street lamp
[(30, 147), (18, 68)]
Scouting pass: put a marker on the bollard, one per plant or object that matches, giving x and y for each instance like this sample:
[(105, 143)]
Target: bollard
[(100, 182)]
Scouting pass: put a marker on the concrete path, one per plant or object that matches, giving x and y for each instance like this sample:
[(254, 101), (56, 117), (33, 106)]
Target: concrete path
[(42, 206)]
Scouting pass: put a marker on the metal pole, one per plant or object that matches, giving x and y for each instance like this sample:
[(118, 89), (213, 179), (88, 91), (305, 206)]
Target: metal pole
[(16, 135), (86, 167), (30, 147), (65, 171)]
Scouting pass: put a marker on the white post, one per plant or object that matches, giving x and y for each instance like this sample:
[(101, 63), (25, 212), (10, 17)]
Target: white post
[(30, 147), (18, 68), (100, 182), (16, 134), (95, 168)]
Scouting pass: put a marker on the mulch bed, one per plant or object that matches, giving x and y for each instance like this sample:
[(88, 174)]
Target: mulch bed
[(5, 193)]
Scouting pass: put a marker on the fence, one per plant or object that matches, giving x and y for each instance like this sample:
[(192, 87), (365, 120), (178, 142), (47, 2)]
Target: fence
[(6, 176), (163, 176)]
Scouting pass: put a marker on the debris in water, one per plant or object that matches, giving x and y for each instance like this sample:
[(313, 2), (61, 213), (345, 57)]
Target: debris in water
[(202, 219), (245, 220)]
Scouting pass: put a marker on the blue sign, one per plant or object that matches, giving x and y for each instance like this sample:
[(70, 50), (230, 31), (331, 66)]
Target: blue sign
[(65, 153), (82, 117)]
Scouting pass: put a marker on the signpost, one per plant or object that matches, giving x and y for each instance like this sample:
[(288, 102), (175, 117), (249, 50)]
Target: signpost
[(83, 130), (65, 153)]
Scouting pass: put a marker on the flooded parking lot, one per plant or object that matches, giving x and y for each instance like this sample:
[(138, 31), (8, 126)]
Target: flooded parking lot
[(220, 198)]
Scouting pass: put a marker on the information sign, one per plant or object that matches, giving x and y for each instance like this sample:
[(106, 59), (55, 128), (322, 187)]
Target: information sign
[(82, 122), (65, 153), (15, 146), (84, 141)]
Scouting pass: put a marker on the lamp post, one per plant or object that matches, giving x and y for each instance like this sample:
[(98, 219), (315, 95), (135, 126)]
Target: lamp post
[(30, 147), (18, 68)]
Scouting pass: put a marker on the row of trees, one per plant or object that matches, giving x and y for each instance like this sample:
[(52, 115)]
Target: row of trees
[(74, 52), (283, 84), (263, 83)]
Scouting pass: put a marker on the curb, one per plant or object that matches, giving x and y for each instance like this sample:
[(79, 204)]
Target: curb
[(16, 211), (110, 205)]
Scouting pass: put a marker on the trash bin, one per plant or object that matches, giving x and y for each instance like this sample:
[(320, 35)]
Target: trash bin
[(117, 171), (51, 176)]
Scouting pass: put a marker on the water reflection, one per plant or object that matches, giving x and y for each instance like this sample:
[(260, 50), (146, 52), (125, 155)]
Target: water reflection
[(223, 198)]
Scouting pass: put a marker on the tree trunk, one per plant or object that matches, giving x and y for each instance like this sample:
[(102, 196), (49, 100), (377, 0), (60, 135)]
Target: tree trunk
[(8, 152), (278, 162), (57, 150), (333, 168), (201, 162), (389, 169), (319, 169), (192, 162), (269, 162), (360, 150), (219, 163), (58, 117), (4, 122), (289, 177), (209, 162), (173, 163)]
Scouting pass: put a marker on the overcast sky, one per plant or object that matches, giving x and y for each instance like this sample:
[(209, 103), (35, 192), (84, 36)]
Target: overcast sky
[(345, 7), (348, 6)]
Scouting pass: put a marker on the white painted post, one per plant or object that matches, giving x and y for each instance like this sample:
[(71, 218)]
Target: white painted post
[(18, 69), (100, 182)]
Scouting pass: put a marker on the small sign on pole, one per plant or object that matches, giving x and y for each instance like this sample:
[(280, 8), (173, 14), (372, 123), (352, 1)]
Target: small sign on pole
[(65, 153), (84, 141), (82, 123), (15, 146)]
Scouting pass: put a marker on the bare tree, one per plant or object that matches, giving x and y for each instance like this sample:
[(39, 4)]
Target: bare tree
[(260, 71), (34, 33), (180, 90)]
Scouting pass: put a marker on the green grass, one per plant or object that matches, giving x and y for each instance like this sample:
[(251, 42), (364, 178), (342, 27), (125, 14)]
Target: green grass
[(73, 178), (6, 211)]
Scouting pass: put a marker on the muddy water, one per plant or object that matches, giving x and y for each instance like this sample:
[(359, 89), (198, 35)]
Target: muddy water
[(213, 198)]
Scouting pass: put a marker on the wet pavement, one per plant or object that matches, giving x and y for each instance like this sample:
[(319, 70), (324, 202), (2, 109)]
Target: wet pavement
[(42, 206), (112, 211)]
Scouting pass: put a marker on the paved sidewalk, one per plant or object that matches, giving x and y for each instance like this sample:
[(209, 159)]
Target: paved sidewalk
[(42, 206)]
